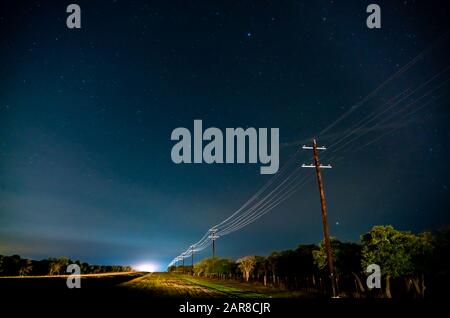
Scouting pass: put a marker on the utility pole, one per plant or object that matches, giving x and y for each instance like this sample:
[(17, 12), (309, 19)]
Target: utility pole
[(182, 269), (326, 231), (213, 236), (192, 258)]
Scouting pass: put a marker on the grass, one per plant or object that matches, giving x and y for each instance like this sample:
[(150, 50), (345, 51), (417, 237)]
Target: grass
[(167, 285), (159, 285), (177, 285), (58, 282), (247, 290), (221, 286)]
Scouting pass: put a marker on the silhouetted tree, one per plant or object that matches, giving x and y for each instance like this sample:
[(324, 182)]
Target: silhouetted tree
[(273, 264), (346, 257), (26, 267), (57, 266), (262, 268), (10, 265), (437, 266)]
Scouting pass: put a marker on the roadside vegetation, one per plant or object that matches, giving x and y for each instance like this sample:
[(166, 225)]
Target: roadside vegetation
[(16, 266), (412, 266)]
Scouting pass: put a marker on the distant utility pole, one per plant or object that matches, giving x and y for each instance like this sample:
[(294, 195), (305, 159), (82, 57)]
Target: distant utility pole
[(213, 236), (192, 257), (326, 231)]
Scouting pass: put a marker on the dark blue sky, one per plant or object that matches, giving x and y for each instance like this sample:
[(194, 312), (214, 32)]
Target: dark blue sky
[(86, 117)]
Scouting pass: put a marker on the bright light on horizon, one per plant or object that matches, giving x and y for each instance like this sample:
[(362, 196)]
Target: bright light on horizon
[(146, 267)]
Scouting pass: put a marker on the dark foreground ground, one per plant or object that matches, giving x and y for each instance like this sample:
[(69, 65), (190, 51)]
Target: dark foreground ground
[(151, 285), (136, 293)]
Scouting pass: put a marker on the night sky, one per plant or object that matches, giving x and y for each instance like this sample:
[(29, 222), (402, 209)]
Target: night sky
[(86, 117)]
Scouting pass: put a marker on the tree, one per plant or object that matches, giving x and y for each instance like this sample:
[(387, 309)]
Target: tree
[(26, 266), (246, 265), (216, 265), (10, 265), (272, 263), (85, 268), (262, 268), (57, 266), (396, 252), (437, 267), (14, 265), (305, 259), (203, 267), (41, 267), (346, 257), (223, 265)]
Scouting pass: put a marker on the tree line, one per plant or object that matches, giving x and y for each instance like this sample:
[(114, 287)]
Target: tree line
[(16, 266), (412, 265)]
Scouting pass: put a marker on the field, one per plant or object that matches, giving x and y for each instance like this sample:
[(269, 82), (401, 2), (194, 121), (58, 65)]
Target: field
[(58, 282), (159, 285), (176, 285)]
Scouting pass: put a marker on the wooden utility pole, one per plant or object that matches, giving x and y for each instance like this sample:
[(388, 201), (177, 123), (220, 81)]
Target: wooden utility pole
[(326, 231), (213, 236), (192, 258)]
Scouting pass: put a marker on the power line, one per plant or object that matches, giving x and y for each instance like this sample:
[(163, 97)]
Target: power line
[(418, 88), (257, 205), (373, 93)]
